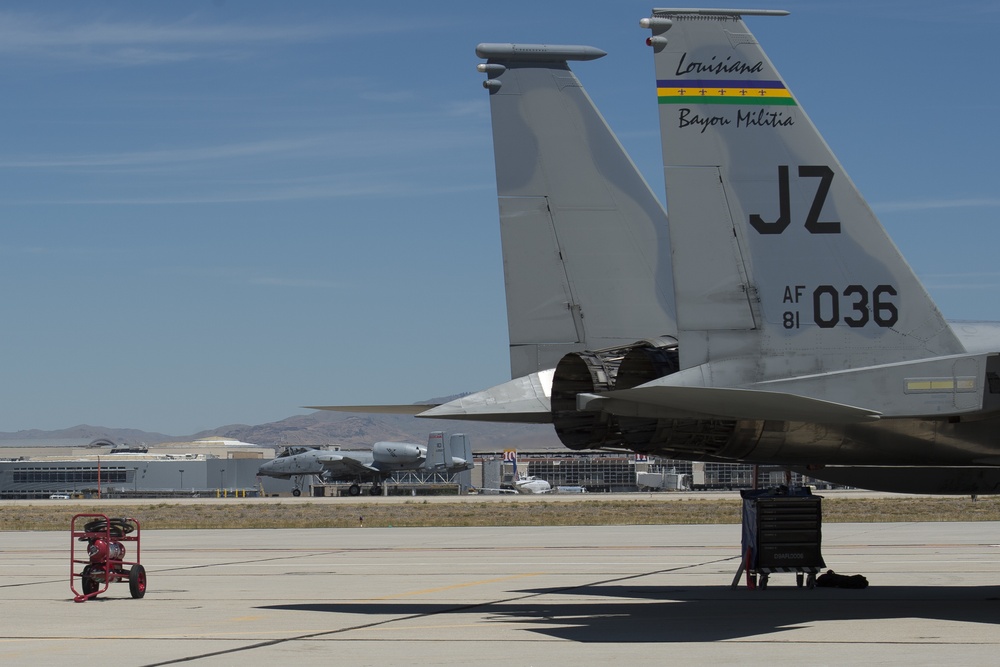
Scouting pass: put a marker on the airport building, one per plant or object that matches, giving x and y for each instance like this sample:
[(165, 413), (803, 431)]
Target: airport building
[(623, 472), (220, 467), (102, 469)]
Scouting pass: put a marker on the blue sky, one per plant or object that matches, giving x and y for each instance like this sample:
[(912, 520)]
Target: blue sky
[(218, 212)]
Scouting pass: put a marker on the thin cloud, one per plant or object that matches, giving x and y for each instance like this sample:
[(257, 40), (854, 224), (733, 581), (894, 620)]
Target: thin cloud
[(937, 204), (167, 156), (962, 286), (249, 195), (382, 188), (138, 43), (241, 276), (362, 142)]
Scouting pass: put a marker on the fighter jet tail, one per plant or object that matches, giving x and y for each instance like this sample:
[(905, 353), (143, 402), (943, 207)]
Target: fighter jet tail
[(779, 262), (585, 249), (785, 281)]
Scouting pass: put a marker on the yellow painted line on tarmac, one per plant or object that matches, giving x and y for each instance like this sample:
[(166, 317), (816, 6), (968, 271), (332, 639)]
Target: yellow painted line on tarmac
[(456, 586)]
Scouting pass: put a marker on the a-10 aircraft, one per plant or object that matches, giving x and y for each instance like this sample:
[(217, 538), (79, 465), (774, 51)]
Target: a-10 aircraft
[(375, 466), (771, 321)]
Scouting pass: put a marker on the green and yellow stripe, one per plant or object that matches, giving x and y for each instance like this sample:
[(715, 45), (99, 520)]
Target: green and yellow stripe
[(672, 91)]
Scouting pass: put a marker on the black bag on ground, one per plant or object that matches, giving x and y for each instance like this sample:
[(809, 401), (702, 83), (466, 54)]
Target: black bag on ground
[(831, 579)]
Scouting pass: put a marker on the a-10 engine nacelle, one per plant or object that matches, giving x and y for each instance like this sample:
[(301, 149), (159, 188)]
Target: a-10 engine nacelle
[(398, 452)]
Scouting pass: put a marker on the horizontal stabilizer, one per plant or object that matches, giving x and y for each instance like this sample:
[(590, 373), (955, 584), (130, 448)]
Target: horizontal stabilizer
[(524, 400), (728, 403), (373, 409)]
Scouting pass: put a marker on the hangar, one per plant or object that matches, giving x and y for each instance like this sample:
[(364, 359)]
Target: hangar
[(103, 468)]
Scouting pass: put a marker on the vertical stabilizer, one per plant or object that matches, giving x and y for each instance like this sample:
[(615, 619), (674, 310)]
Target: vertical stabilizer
[(585, 245), (437, 457), (780, 266), (459, 451)]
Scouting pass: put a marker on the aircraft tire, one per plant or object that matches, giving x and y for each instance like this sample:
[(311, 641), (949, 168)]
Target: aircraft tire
[(296, 493), (354, 490)]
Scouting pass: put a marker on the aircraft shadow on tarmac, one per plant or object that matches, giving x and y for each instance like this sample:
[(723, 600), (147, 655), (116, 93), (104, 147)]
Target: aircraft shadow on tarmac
[(664, 614)]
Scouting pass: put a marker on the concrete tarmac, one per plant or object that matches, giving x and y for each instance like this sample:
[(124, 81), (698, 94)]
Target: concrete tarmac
[(630, 595)]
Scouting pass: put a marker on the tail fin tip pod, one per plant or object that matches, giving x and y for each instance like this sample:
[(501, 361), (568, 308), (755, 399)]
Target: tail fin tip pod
[(585, 247), (780, 266)]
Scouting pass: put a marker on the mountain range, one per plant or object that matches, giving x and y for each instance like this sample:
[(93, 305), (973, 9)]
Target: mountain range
[(350, 430)]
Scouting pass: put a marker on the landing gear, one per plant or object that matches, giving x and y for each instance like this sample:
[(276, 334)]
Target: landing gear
[(376, 490), (296, 492), (354, 490)]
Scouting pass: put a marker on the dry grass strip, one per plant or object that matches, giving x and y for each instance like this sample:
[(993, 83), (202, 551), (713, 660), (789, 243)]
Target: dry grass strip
[(159, 515)]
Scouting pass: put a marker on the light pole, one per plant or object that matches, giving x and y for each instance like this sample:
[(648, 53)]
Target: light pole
[(222, 479), (181, 471)]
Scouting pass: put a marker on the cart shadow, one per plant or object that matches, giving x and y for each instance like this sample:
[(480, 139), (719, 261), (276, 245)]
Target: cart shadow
[(665, 614)]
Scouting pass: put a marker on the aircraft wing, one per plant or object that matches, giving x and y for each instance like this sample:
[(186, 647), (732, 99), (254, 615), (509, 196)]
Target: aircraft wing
[(339, 463), (729, 403)]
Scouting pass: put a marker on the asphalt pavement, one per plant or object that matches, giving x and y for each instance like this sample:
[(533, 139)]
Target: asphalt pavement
[(631, 595)]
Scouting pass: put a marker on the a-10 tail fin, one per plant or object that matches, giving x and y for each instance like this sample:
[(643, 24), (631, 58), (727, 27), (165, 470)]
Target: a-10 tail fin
[(454, 456), (781, 269), (585, 246), (461, 452), (437, 457)]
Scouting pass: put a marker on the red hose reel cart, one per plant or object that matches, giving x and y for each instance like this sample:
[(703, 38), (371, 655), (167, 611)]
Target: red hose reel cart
[(104, 560)]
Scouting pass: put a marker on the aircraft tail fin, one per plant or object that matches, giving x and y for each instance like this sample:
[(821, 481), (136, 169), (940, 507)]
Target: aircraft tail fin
[(437, 457), (455, 454), (780, 266), (585, 247), (460, 452)]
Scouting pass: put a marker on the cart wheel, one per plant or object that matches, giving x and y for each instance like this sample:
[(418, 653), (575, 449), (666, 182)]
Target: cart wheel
[(798, 579), (137, 581), (88, 583)]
